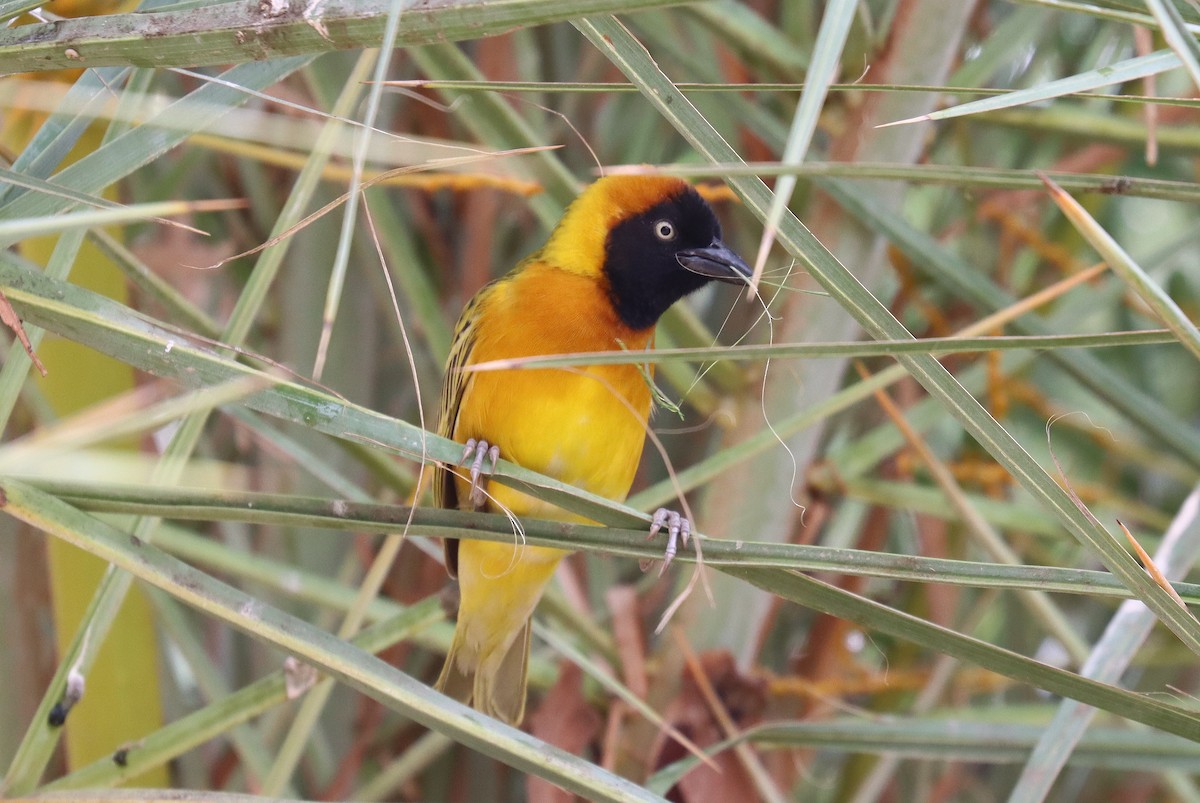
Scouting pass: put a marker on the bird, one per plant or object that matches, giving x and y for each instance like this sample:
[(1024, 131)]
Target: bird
[(625, 250)]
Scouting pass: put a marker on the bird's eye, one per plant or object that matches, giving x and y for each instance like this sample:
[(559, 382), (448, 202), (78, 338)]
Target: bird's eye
[(664, 230)]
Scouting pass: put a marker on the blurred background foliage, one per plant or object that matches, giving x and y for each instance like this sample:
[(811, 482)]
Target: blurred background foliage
[(147, 424)]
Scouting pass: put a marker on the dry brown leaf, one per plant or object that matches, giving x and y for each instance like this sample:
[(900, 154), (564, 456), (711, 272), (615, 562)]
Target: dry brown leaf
[(565, 720), (10, 318), (744, 698), (1151, 567), (627, 633)]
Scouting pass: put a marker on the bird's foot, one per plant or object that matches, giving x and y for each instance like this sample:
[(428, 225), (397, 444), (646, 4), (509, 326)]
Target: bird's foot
[(678, 528), (482, 450)]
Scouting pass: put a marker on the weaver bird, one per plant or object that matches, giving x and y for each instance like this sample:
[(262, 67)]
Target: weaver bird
[(625, 250)]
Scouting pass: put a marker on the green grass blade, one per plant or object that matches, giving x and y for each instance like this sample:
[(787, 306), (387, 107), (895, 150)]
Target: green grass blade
[(952, 175), (1128, 70), (299, 511), (875, 348), (1181, 40), (1163, 306), (1123, 638), (822, 69), (13, 230), (244, 31), (812, 593)]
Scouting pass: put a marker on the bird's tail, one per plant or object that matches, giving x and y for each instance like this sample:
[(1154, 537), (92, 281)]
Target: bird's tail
[(497, 689), (488, 663)]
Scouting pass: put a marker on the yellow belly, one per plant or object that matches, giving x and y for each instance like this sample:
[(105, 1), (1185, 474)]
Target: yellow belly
[(581, 428)]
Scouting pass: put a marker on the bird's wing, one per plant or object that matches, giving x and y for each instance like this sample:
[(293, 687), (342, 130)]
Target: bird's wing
[(454, 387)]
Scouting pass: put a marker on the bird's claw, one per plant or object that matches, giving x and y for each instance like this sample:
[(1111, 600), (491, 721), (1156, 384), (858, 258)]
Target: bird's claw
[(482, 450), (678, 527)]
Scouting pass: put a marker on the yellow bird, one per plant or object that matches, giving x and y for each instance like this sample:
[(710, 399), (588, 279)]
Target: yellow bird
[(625, 250)]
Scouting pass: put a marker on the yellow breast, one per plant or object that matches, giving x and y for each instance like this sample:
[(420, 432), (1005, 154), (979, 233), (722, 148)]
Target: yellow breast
[(585, 426)]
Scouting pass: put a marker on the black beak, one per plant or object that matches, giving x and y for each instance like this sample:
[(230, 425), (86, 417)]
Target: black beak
[(717, 261)]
